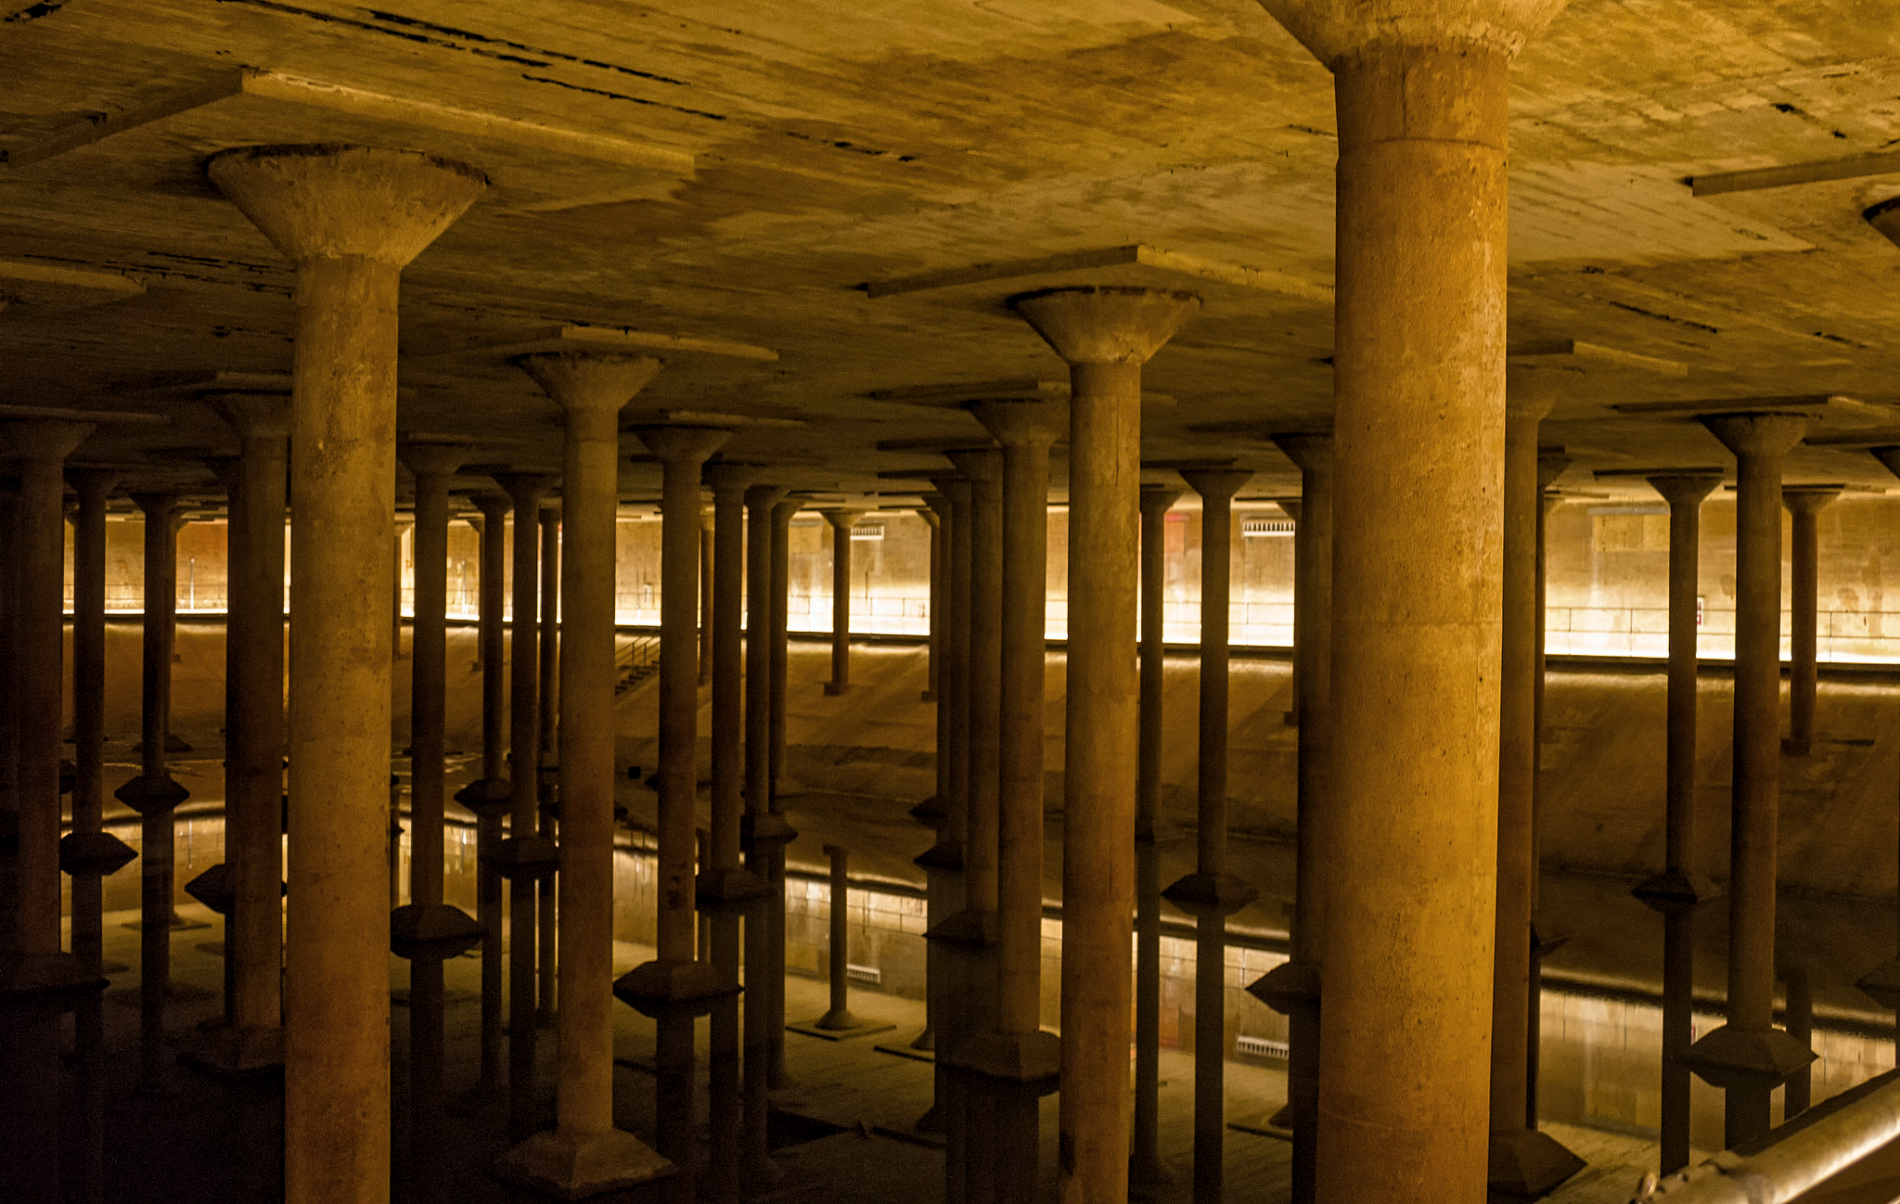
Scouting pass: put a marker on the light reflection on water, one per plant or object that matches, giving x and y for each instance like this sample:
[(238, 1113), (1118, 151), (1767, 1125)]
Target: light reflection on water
[(1599, 1055)]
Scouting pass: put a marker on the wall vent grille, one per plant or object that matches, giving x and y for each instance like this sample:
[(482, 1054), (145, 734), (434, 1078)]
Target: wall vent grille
[(1265, 528), (1260, 1047), (870, 974)]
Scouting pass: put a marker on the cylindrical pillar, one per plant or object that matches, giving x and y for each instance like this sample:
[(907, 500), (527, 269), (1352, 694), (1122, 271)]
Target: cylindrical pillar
[(93, 485), (1804, 503), (1798, 1095), (1144, 1163), (842, 522), (350, 217), (585, 1155), (707, 571), (1105, 334), (1748, 1056), (928, 513), (488, 797), (547, 773), (838, 1015), (781, 587), (1680, 888), (773, 969)]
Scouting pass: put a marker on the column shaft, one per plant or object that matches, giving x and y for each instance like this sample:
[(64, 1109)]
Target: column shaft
[(89, 696), (1144, 1156), (679, 706), (841, 525)]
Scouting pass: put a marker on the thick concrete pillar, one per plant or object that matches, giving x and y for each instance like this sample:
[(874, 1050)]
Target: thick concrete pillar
[(763, 834), (841, 521), (781, 587), (1211, 894), (1547, 935), (1798, 1095), (488, 796), (1883, 981), (707, 569), (351, 218), (1422, 97), (1680, 888), (1804, 503), (547, 762), (1294, 986), (727, 893), (838, 1017), (674, 987), (1748, 1057), (153, 794), (426, 930), (928, 512), (1105, 335), (585, 1154), (1524, 1163), (1144, 1162), (1017, 1062), (525, 857)]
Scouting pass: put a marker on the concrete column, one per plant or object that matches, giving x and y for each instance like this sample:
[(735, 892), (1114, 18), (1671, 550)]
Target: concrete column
[(488, 796), (585, 1154), (1020, 1061), (838, 1015), (89, 852), (1211, 894), (153, 794), (254, 739), (1748, 1057), (773, 971), (525, 857), (1883, 981), (1144, 1164), (762, 833), (1105, 334), (727, 894), (674, 987), (842, 521), (426, 930), (707, 569), (1547, 935), (1293, 986), (547, 762), (1524, 1163), (1798, 1095), (1422, 99), (928, 513), (1680, 888), (351, 218), (1804, 503)]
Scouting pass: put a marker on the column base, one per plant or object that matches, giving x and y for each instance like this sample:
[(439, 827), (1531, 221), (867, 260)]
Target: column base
[(973, 930), (1761, 1059), (215, 889), (1547, 936), (931, 813), (1525, 1164), (153, 795), (1882, 983), (236, 1053), (1028, 1059), (838, 1026), (1210, 895), (1796, 748), (667, 988), (1673, 892), (923, 1049), (766, 829), (1289, 987), (432, 930), (578, 1166), (53, 982), (835, 688), (486, 797), (99, 853), (928, 696), (729, 892), (946, 856), (531, 857)]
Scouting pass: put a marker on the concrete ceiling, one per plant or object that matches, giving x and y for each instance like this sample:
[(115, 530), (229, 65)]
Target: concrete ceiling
[(732, 173)]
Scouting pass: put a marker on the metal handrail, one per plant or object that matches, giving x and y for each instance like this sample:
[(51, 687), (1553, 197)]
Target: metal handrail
[(1820, 1146)]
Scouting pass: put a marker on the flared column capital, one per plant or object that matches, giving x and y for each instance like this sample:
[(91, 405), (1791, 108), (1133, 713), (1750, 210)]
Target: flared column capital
[(684, 444), (590, 382), (336, 201), (765, 497), (436, 458), (255, 415), (1158, 498), (1310, 451), (1217, 484), (1105, 324), (93, 484), (730, 478), (1759, 432), (1337, 29), (842, 519), (977, 465), (1023, 421), (41, 439), (1552, 462), (1681, 489), (1809, 499)]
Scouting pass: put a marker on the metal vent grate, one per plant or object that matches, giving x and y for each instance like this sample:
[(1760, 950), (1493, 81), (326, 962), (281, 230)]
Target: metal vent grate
[(867, 533), (870, 974), (1265, 528), (1260, 1047)]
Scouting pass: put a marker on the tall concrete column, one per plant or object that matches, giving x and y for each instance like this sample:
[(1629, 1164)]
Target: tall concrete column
[(928, 513), (351, 218), (29, 1026), (488, 796), (1105, 335), (842, 522), (1804, 503), (525, 857), (547, 762), (773, 969), (1211, 894), (1144, 1163), (89, 852), (1524, 1163), (1883, 981), (727, 893), (1294, 986), (1680, 888), (673, 987), (1422, 98), (1547, 935), (1019, 1060), (585, 1154), (764, 832), (153, 794), (707, 569), (1748, 1057)]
